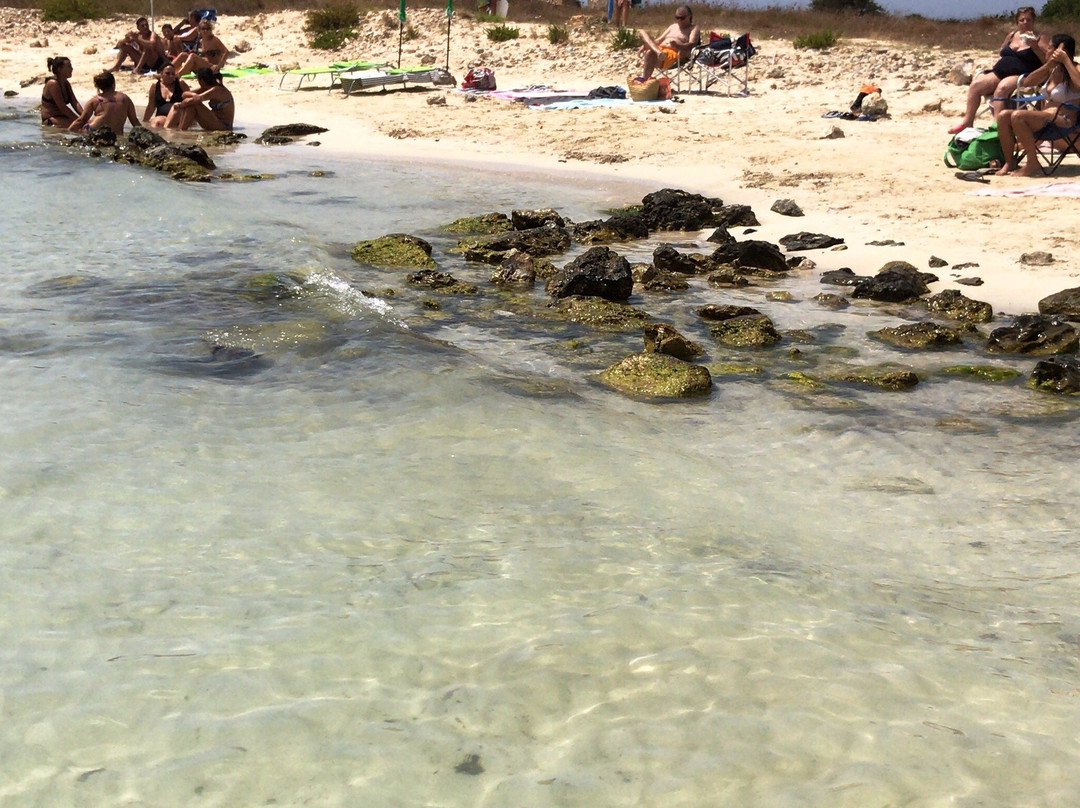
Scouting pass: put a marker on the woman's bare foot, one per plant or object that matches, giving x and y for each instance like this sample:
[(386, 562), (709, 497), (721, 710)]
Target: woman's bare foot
[(1005, 169), (1029, 170)]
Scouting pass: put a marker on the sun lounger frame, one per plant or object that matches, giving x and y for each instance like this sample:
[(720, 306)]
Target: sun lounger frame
[(353, 80)]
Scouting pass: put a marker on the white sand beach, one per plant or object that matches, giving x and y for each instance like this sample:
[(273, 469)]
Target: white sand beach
[(881, 180)]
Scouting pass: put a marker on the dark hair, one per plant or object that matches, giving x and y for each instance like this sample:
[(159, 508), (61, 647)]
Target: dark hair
[(141, 20), (1067, 41), (54, 63), (105, 81), (167, 26), (208, 76)]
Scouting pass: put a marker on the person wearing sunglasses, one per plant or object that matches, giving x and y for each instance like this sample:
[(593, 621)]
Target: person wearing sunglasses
[(672, 46), (212, 52)]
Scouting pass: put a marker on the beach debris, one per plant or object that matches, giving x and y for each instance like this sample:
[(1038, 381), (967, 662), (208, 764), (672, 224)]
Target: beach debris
[(961, 73), (1064, 304), (1034, 334), (1058, 374), (1037, 259), (786, 207), (436, 100), (921, 336), (954, 304), (896, 282), (664, 338), (394, 250), (809, 241), (671, 209), (834, 133), (598, 272), (658, 376)]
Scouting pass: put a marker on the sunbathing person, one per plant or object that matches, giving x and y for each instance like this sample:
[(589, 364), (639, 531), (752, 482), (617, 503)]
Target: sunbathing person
[(59, 106), (1023, 51), (169, 89), (672, 46), (211, 106), (1021, 125), (135, 44), (212, 52), (108, 109), (173, 46), (186, 32), (154, 50)]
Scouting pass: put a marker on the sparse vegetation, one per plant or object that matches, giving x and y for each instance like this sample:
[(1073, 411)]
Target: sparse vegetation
[(625, 39), (502, 33), (817, 40), (558, 34), (70, 10), (858, 6), (332, 26), (1061, 10)]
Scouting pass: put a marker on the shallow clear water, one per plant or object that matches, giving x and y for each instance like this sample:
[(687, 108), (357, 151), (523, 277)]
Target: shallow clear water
[(402, 537)]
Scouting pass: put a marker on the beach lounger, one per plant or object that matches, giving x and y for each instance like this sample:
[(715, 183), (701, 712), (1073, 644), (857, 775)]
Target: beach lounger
[(367, 78), (333, 70)]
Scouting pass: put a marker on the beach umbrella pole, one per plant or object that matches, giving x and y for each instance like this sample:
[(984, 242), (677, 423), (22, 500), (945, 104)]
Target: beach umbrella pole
[(401, 30), (449, 16)]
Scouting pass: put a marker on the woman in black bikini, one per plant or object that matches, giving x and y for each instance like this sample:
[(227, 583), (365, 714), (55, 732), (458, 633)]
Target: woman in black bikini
[(59, 106), (1023, 51), (212, 52), (169, 89), (211, 106)]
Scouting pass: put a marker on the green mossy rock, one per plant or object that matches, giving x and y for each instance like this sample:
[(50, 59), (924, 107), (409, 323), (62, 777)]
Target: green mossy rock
[(982, 373), (395, 250), (882, 377), (273, 337), (747, 331), (657, 376), (599, 313), (919, 336), (484, 224)]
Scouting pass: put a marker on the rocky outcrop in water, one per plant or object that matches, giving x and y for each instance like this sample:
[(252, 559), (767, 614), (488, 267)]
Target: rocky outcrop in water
[(670, 209), (538, 242), (919, 336), (954, 304), (658, 376), (896, 282), (1034, 334), (287, 133), (1058, 374), (395, 250), (1064, 304), (664, 338), (619, 227), (145, 147), (751, 255), (598, 272)]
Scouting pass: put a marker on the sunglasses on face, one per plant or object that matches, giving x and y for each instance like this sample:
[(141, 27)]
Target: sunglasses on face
[(680, 16)]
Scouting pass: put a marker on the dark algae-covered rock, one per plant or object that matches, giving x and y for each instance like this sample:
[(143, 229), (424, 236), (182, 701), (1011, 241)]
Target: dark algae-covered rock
[(919, 336), (718, 312), (746, 331), (670, 209), (1034, 334), (954, 304), (441, 282), (286, 133), (482, 224), (598, 272), (984, 373), (896, 282), (395, 250), (845, 276), (809, 241), (664, 338), (667, 259), (657, 375), (746, 255), (1058, 374), (538, 242), (530, 219), (1064, 304), (883, 377), (619, 227)]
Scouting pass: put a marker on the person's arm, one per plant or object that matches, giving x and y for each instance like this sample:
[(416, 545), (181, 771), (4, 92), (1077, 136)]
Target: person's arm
[(84, 116), (1038, 77), (151, 107), (133, 118)]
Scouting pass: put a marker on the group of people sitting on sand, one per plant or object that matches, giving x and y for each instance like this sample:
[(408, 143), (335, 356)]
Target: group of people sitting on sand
[(1030, 64), (171, 103)]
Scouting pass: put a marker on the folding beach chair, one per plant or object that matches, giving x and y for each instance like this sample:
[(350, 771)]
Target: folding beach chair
[(683, 72), (1057, 139), (333, 70), (724, 62), (353, 80)]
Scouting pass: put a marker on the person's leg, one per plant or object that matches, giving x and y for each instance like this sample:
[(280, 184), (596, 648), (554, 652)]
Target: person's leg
[(1003, 92), (981, 86), (1008, 140), (208, 119), (125, 52), (1026, 122)]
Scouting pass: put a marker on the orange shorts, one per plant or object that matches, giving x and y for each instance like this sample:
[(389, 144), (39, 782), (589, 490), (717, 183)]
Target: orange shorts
[(669, 57)]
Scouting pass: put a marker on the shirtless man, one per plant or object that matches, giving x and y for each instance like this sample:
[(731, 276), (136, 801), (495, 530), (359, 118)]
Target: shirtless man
[(675, 44), (106, 109), (142, 46)]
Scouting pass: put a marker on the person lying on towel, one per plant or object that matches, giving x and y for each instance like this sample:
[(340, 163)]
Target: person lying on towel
[(672, 46)]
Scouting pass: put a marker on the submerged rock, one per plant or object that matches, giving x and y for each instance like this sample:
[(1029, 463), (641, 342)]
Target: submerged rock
[(952, 303), (394, 250), (919, 335), (984, 373), (885, 378), (1058, 374), (664, 338), (746, 331), (537, 242), (596, 312), (483, 224), (441, 282), (658, 376)]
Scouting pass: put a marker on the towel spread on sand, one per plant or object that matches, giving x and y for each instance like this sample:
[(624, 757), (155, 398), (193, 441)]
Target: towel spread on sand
[(1049, 189)]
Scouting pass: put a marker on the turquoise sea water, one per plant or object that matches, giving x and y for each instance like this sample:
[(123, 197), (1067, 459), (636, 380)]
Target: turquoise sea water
[(409, 556)]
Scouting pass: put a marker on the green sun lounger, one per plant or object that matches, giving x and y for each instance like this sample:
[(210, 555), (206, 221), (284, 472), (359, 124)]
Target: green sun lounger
[(333, 70), (365, 78)]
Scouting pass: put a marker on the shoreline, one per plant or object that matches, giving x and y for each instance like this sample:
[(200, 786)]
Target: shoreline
[(881, 180)]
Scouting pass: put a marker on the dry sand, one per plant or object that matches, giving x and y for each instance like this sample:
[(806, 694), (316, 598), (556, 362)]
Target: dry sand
[(881, 180)]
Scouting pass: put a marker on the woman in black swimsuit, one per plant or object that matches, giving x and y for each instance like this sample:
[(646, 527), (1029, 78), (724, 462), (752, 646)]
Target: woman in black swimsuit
[(59, 106), (166, 91), (1023, 51)]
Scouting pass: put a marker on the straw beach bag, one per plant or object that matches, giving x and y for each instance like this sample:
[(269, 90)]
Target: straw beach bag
[(642, 90)]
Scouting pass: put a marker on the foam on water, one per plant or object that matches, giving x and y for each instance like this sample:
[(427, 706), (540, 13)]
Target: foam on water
[(388, 539)]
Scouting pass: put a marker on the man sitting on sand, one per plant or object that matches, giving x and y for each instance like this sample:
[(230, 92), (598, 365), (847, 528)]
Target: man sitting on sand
[(672, 46), (145, 48), (106, 109)]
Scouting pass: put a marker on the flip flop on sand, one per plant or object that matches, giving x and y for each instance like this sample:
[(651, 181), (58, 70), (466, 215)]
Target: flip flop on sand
[(971, 176)]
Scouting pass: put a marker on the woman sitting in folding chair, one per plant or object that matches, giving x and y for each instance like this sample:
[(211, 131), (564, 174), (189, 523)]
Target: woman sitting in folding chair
[(1023, 125)]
